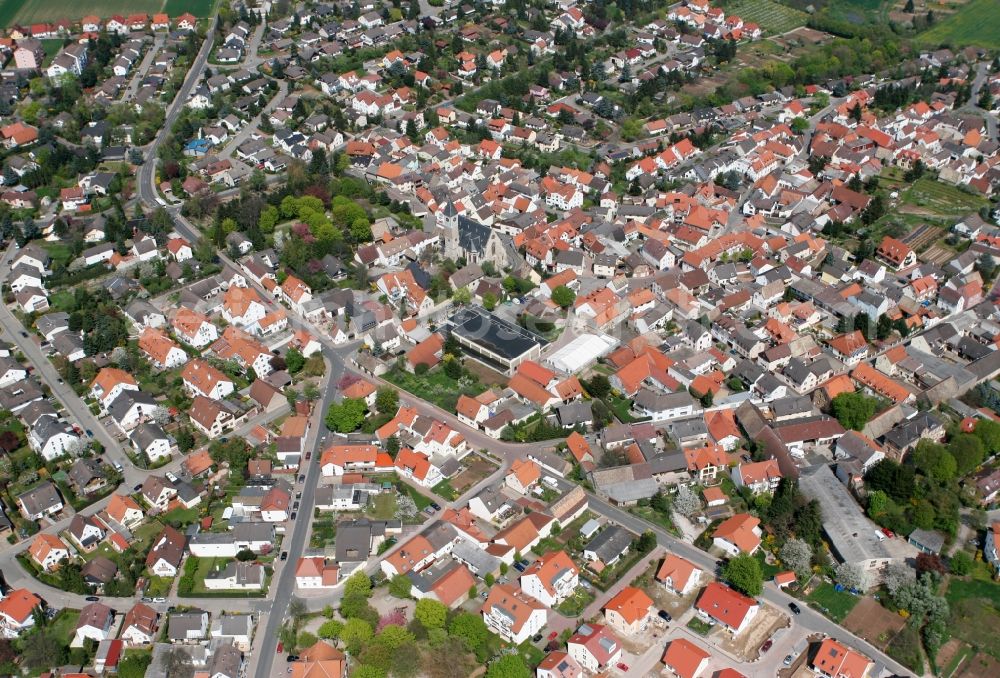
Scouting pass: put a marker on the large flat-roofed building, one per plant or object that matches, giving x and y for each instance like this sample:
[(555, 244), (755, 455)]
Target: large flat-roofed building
[(853, 537), (494, 341)]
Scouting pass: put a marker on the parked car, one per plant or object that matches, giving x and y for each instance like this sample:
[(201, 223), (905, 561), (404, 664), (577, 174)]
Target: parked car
[(887, 532), (159, 600), (281, 647), (92, 599), (794, 608), (519, 567), (295, 505), (302, 478), (622, 666), (537, 637), (553, 635), (429, 510), (787, 661), (294, 513), (284, 555), (171, 477), (435, 506), (309, 455), (664, 615), (766, 646)]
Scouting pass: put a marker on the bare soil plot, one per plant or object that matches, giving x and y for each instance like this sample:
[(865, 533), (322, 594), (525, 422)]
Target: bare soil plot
[(487, 376), (980, 666), (476, 468), (937, 254), (873, 622), (746, 645)]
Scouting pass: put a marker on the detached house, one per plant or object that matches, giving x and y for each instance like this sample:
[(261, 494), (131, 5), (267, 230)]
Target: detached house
[(678, 575), (629, 612), (551, 579), (730, 609), (513, 615), (738, 534), (200, 378)]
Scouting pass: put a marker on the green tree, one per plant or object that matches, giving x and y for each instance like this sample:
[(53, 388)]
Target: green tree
[(471, 629), (399, 586), (294, 360), (305, 640), (645, 542), (346, 416), (387, 400), (393, 636), (431, 613), (508, 666), (405, 660), (598, 386), (853, 410), (356, 634), (461, 296), (968, 452), (934, 461), (330, 629), (359, 584), (878, 503), (988, 431), (563, 296), (960, 563), (744, 574), (489, 301)]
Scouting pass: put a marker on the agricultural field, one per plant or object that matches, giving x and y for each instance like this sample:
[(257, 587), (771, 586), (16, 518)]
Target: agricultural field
[(199, 8), (927, 196), (977, 23), (25, 12), (774, 18)]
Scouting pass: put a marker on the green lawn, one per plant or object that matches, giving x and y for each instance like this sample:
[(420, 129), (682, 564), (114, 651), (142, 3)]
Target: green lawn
[(184, 516), (159, 587), (59, 251), (532, 655), (975, 613), (64, 623), (835, 604), (769, 15), (62, 300), (976, 23), (35, 11), (420, 500), (577, 603), (621, 407), (434, 385), (445, 490), (383, 506), (651, 515), (702, 628)]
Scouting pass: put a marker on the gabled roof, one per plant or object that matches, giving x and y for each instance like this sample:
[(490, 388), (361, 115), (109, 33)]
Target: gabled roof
[(631, 603), (725, 605), (739, 530), (677, 569), (684, 657)]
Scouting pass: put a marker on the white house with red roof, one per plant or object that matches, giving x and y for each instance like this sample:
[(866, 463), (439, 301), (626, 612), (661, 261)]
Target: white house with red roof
[(730, 609), (594, 647)]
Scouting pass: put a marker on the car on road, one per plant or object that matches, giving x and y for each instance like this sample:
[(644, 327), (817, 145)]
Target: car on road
[(92, 599), (664, 615), (24, 334), (147, 599), (90, 434), (159, 600), (119, 467), (622, 666), (794, 608), (284, 555), (787, 661), (60, 380), (766, 646)]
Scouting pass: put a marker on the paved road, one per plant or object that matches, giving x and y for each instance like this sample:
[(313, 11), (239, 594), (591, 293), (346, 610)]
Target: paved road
[(147, 172), (809, 621), (133, 86), (251, 126)]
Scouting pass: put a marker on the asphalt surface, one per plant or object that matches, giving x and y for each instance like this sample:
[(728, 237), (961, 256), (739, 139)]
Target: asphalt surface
[(147, 172)]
